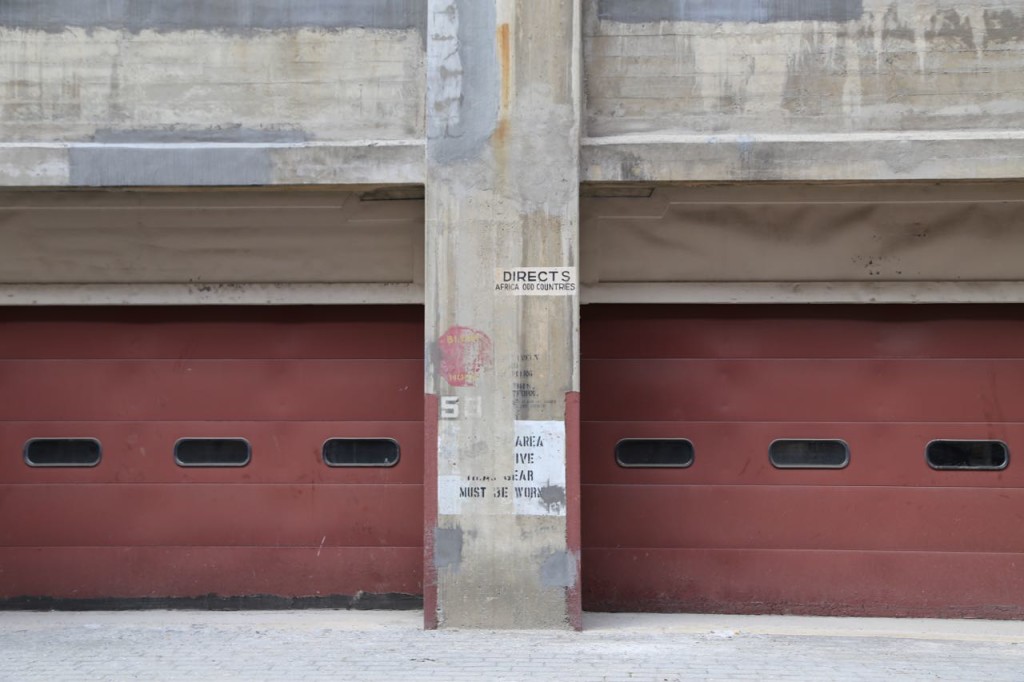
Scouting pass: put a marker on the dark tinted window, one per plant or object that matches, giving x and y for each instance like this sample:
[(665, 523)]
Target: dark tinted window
[(809, 454), (62, 452), (967, 454), (654, 452), (212, 452), (361, 452)]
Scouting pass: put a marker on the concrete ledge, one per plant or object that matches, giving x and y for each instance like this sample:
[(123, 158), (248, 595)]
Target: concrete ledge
[(912, 155), (641, 157), (210, 164), (210, 294), (804, 292)]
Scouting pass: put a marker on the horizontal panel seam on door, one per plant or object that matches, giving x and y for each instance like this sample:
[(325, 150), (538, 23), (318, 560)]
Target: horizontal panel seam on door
[(793, 358), (214, 359), (261, 422), (274, 546), (300, 483), (763, 202), (814, 550), (762, 421), (817, 486), (340, 420), (770, 421), (241, 422)]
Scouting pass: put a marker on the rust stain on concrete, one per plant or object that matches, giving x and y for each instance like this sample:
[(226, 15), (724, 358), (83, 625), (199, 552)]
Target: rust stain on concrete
[(505, 63)]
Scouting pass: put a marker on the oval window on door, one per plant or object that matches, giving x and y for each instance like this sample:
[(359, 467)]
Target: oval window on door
[(969, 455), (654, 453), (799, 453)]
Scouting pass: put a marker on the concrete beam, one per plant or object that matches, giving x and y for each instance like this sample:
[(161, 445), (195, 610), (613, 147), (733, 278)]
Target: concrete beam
[(205, 164), (210, 294), (876, 156), (502, 373), (804, 292), (200, 15)]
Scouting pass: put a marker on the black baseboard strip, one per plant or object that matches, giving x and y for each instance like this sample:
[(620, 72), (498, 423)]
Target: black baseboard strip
[(213, 602)]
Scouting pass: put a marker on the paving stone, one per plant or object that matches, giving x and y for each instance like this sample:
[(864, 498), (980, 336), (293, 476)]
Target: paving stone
[(370, 646)]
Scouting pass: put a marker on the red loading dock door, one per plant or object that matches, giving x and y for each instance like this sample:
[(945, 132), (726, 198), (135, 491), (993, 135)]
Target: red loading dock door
[(886, 536), (137, 380)]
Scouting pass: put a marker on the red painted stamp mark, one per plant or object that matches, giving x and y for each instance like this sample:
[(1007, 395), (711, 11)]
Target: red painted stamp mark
[(465, 353)]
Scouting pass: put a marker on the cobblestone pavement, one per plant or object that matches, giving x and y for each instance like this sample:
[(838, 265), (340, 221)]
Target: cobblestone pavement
[(360, 645)]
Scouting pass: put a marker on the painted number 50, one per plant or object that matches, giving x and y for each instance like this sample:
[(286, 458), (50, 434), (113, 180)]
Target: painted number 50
[(453, 407)]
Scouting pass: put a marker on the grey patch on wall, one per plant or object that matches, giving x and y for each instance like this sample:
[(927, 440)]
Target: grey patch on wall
[(113, 166), (553, 498), (1003, 26), (631, 167), (558, 570), (179, 136), (476, 90), (717, 11), (448, 548), (218, 15), (949, 25)]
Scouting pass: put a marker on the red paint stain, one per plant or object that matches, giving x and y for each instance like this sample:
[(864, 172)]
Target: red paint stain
[(465, 353)]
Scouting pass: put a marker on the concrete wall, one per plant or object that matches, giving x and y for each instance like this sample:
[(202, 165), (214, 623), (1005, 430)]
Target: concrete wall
[(254, 92), (250, 91), (804, 89), (502, 361), (800, 67)]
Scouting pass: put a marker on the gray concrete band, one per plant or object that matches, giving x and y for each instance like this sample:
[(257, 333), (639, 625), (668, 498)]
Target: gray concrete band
[(222, 15), (125, 166), (715, 11)]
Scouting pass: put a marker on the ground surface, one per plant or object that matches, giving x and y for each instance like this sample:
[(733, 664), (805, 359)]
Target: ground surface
[(367, 645)]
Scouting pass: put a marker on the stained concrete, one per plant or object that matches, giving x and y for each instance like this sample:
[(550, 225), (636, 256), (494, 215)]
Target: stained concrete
[(462, 46), (879, 65), (447, 548), (203, 15), (716, 11), (176, 135), (559, 569), (110, 165), (503, 107), (914, 155)]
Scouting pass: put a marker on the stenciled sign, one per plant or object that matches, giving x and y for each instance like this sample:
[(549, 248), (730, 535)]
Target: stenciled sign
[(535, 486), (557, 281)]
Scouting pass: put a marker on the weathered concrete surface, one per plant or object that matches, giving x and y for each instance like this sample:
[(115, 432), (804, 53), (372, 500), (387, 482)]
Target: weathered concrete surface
[(800, 90), (270, 77), (909, 155), (502, 192), (714, 11), (116, 165), (288, 293), (90, 164), (370, 646), (317, 84), (909, 65), (202, 15)]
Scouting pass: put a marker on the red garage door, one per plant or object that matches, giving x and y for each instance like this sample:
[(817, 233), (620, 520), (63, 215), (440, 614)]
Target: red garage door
[(819, 460), (182, 452)]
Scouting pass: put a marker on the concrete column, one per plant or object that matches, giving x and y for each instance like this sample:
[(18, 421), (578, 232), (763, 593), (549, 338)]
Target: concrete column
[(502, 372)]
